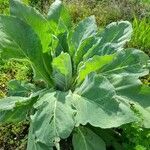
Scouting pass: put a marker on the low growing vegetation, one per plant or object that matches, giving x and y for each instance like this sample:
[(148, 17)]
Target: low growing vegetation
[(141, 34), (76, 70)]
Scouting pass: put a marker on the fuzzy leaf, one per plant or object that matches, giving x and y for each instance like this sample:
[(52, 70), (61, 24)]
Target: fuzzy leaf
[(93, 64), (38, 23), (61, 44), (20, 42), (55, 11), (85, 139), (58, 17), (33, 18), (97, 94), (85, 46), (62, 70), (52, 120), (112, 39), (129, 61), (84, 30), (15, 109), (130, 90), (18, 88)]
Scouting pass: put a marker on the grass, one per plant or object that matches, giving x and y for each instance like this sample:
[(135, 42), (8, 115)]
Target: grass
[(107, 11), (141, 35), (13, 136), (13, 70)]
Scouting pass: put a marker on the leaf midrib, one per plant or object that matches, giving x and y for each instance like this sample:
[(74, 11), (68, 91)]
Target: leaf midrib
[(44, 77), (84, 140)]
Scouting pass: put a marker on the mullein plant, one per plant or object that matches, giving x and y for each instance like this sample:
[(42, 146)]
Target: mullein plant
[(91, 81)]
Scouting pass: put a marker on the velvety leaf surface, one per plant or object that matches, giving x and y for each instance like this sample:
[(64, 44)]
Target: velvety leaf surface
[(130, 89), (112, 39), (103, 78), (128, 61), (35, 145), (62, 70), (84, 30), (52, 120), (18, 88), (93, 64), (60, 44), (97, 94), (83, 49), (117, 33), (15, 109), (85, 139), (20, 42), (33, 18), (38, 23), (58, 17), (55, 11)]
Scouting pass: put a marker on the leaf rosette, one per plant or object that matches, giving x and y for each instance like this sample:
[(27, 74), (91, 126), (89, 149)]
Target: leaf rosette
[(89, 77)]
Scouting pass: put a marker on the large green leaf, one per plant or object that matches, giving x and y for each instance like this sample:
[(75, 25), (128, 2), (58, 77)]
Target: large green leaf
[(59, 44), (18, 88), (38, 23), (20, 42), (62, 71), (130, 89), (34, 144), (112, 39), (128, 61), (15, 109), (84, 30), (97, 94), (60, 22), (117, 33), (114, 138), (85, 139), (58, 17), (93, 64), (55, 11), (65, 22), (33, 18), (85, 46), (52, 120)]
